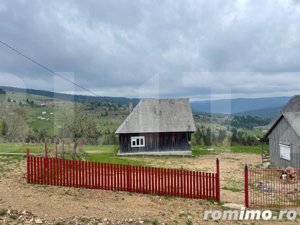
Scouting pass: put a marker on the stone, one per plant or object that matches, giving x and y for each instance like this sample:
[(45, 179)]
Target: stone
[(38, 221)]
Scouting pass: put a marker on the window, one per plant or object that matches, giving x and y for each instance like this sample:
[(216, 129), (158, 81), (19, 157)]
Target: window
[(285, 151), (138, 141)]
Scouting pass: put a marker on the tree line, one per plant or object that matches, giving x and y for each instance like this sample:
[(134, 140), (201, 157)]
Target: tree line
[(207, 136)]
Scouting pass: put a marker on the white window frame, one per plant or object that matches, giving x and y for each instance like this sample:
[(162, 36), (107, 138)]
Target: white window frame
[(285, 151), (135, 139)]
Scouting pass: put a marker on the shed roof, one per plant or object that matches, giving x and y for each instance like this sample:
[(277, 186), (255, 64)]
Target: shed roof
[(292, 106), (293, 118), (159, 115)]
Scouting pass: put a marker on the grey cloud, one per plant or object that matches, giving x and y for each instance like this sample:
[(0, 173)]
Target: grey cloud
[(115, 47)]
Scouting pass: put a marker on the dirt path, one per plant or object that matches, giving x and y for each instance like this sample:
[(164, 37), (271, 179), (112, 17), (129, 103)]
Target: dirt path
[(231, 166), (53, 203), (59, 202)]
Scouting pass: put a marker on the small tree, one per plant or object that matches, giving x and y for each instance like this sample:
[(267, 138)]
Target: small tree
[(15, 125), (77, 124)]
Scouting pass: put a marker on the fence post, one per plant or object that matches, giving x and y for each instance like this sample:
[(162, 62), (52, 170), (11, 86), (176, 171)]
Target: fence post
[(28, 165), (246, 187), (218, 198)]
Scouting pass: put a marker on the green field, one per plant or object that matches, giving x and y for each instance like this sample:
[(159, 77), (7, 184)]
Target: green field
[(108, 153), (45, 122), (108, 116), (99, 153), (204, 150)]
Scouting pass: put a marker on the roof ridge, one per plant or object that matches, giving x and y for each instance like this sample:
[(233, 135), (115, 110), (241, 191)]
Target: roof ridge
[(159, 115)]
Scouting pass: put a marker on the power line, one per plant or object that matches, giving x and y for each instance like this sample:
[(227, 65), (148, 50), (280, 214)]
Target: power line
[(46, 68)]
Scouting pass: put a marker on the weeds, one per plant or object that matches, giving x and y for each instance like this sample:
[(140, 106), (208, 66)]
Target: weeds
[(189, 222), (155, 222), (13, 217), (2, 212)]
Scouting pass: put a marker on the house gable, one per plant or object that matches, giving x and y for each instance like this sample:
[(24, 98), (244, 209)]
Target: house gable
[(284, 134)]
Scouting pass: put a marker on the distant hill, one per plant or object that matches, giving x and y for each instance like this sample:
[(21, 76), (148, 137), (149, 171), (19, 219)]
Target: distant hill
[(263, 113), (2, 92), (263, 106), (73, 98)]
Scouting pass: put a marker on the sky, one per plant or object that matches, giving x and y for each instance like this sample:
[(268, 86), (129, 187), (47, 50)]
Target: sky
[(142, 48)]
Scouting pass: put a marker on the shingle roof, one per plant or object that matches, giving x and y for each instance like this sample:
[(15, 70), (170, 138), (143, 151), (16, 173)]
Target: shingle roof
[(293, 106), (159, 115), (293, 118)]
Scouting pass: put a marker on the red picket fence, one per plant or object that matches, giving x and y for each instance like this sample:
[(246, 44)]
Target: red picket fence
[(140, 179), (268, 188)]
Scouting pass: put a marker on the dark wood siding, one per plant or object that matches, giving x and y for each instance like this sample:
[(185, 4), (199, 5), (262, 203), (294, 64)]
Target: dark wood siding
[(283, 133), (157, 142)]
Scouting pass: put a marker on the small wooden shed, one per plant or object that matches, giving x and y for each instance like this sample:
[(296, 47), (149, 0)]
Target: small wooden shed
[(283, 136), (157, 127)]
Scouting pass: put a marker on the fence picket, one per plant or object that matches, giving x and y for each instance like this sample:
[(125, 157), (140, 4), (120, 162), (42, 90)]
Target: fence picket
[(130, 178), (60, 172), (64, 172), (34, 170), (38, 169), (184, 184), (210, 186), (165, 179), (97, 175), (158, 180), (200, 183), (94, 175), (104, 175), (50, 171), (53, 172), (107, 176), (120, 177), (56, 172), (206, 186), (191, 184), (197, 185), (76, 174)]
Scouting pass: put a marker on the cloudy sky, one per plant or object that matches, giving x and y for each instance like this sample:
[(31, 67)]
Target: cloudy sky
[(136, 48)]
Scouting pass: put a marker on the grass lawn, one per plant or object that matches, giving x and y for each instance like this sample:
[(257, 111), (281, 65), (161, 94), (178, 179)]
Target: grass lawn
[(108, 153), (94, 153), (20, 148), (204, 150), (111, 158)]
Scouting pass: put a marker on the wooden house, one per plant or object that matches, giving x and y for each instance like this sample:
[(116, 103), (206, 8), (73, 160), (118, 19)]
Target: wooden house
[(283, 136), (157, 127)]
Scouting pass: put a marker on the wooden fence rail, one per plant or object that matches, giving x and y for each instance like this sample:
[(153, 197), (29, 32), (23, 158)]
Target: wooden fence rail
[(118, 177)]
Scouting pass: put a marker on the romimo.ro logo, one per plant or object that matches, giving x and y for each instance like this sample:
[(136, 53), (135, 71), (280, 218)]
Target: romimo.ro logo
[(245, 214)]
